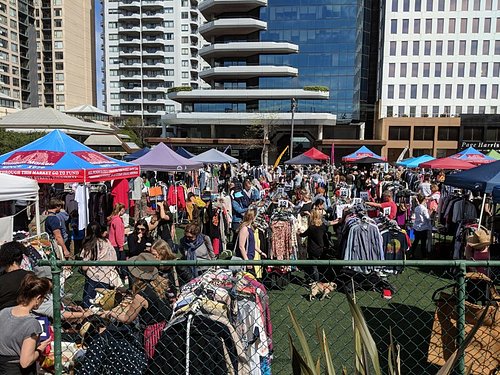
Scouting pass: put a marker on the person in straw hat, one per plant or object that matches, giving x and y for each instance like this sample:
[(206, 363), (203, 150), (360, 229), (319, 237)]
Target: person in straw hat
[(478, 247), (149, 302)]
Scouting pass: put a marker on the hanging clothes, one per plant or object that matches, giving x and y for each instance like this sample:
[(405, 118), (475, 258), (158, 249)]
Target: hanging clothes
[(119, 192), (82, 198)]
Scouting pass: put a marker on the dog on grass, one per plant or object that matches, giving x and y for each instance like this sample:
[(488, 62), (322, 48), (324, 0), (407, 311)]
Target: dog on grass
[(323, 289)]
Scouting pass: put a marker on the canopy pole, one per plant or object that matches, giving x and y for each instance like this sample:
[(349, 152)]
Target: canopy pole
[(37, 215), (482, 209)]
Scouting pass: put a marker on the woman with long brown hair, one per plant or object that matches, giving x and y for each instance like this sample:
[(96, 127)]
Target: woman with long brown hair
[(315, 234), (20, 344), (246, 246)]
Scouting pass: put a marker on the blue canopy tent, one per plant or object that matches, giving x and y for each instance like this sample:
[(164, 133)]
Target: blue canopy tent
[(58, 158), (183, 152), (473, 156), (415, 161), (137, 154), (362, 152)]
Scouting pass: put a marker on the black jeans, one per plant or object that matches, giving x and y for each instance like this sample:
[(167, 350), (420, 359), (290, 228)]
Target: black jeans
[(420, 238)]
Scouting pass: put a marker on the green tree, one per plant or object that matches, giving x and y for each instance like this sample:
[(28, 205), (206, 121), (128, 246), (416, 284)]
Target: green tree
[(10, 140)]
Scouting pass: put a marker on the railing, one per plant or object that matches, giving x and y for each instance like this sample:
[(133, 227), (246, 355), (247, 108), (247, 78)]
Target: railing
[(405, 304)]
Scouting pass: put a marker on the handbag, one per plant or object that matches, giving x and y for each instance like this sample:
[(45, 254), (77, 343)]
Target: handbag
[(155, 191), (481, 355)]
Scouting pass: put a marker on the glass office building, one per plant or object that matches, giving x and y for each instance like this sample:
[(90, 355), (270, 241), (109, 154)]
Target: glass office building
[(336, 39)]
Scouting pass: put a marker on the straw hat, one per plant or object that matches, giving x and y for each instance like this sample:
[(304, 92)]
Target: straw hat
[(480, 239), (143, 272)]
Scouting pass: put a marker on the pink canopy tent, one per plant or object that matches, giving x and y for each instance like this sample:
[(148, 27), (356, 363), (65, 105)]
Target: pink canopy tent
[(447, 163)]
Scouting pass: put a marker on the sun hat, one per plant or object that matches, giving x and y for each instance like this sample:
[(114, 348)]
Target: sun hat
[(479, 239), (143, 272)]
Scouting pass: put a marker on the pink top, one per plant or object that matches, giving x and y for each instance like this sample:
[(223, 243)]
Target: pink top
[(117, 232)]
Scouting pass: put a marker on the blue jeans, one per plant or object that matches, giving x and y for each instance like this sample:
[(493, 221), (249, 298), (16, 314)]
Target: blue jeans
[(89, 290), (121, 255)]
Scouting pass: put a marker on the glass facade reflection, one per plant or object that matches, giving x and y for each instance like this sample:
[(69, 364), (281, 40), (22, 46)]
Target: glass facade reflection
[(335, 41)]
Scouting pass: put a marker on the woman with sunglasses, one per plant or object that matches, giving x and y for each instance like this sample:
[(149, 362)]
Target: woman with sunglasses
[(138, 239)]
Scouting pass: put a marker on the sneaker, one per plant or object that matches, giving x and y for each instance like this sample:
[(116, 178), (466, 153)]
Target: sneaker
[(386, 294)]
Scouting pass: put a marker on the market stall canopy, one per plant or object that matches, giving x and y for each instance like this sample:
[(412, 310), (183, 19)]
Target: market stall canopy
[(473, 156), (302, 160), (494, 154), (368, 160), (482, 179), (316, 154), (363, 152), (415, 161), (137, 154), (58, 158), (447, 163), (214, 156), (15, 187), (184, 153), (163, 158)]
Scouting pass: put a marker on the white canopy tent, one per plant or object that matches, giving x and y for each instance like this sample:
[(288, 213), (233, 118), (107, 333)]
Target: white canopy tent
[(22, 188)]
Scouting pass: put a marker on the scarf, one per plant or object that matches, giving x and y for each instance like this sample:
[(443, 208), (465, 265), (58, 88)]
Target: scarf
[(191, 250)]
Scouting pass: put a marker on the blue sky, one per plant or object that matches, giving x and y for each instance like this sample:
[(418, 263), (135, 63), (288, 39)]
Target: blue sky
[(98, 32)]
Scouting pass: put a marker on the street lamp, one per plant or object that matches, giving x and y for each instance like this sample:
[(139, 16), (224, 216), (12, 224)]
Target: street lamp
[(294, 107)]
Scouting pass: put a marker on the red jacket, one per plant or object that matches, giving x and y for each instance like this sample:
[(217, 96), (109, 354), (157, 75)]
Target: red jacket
[(180, 198)]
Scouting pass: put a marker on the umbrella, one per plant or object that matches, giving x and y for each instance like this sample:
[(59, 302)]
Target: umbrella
[(447, 163), (494, 154), (316, 154), (482, 179), (473, 156), (368, 160), (415, 161), (302, 160), (137, 154), (58, 158), (183, 152), (362, 152), (163, 158), (214, 156)]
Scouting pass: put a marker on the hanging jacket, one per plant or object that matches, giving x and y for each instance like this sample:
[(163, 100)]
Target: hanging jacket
[(176, 197)]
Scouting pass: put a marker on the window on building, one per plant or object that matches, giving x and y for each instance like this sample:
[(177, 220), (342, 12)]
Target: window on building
[(437, 91), (60, 87), (184, 27), (423, 133), (460, 91), (482, 91), (59, 66), (470, 109), (427, 69), (394, 26), (185, 63), (439, 47), (424, 111), (494, 91), (112, 25), (497, 47), (58, 12), (462, 47), (451, 47), (418, 5), (465, 5), (416, 48), (473, 47), (413, 111), (428, 26), (402, 91), (59, 76), (401, 111), (472, 91), (58, 23), (58, 45), (414, 69), (475, 25), (185, 75), (441, 5), (461, 69), (472, 69), (486, 47), (184, 15), (399, 133), (59, 55), (184, 51), (402, 70), (427, 48), (487, 25), (448, 133), (463, 25), (453, 5), (473, 133), (413, 91), (406, 23), (435, 110), (406, 5), (437, 70), (425, 91), (429, 5), (484, 69), (488, 4), (451, 25), (416, 26), (440, 25), (390, 91), (392, 49), (58, 34), (392, 70), (447, 91), (404, 48), (169, 10), (390, 111), (60, 98), (449, 69), (477, 4)]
